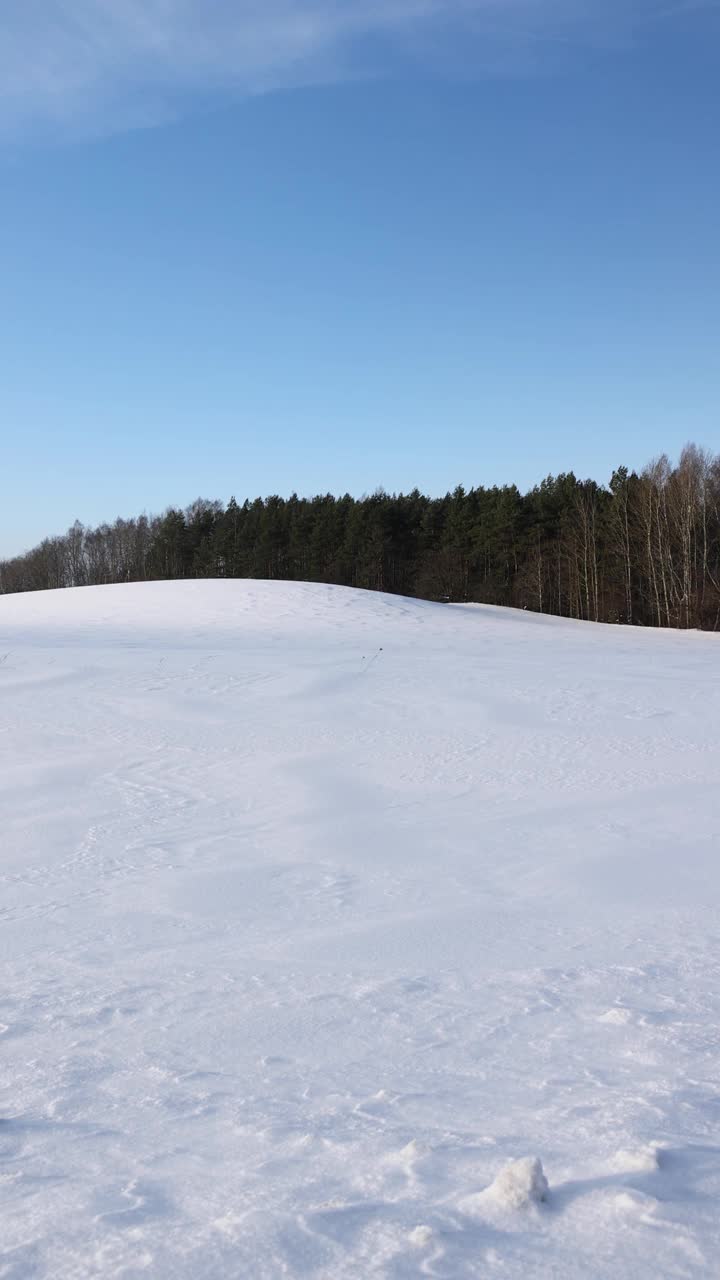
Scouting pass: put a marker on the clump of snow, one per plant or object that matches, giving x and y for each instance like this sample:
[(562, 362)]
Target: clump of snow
[(408, 1155), (519, 1185), (421, 1237), (640, 1160), (616, 1017), (631, 1201)]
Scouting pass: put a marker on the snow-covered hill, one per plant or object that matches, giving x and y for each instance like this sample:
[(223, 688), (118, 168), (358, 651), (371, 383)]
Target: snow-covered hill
[(320, 907)]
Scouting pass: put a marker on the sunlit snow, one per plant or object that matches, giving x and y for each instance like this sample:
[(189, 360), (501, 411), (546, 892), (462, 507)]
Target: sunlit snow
[(321, 910)]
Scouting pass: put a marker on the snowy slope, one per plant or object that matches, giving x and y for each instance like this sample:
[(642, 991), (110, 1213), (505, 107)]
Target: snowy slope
[(320, 907)]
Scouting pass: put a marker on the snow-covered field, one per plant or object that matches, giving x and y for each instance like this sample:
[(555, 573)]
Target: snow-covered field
[(319, 908)]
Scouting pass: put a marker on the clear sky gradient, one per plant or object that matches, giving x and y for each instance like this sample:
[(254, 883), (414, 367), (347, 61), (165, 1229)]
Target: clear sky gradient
[(401, 245)]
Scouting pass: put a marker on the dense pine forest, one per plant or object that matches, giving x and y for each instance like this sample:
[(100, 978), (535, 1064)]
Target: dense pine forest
[(643, 550)]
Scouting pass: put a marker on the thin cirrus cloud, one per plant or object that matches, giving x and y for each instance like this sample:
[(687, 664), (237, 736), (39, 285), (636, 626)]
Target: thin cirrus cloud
[(102, 65)]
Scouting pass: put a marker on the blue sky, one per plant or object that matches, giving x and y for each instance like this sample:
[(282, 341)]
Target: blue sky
[(330, 246)]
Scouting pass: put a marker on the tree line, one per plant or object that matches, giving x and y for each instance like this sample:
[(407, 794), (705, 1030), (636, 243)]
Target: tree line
[(643, 550)]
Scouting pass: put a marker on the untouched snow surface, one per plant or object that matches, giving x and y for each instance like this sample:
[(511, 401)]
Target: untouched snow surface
[(321, 908)]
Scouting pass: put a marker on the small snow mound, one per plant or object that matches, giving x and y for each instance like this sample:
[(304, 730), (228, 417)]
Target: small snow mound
[(616, 1017), (640, 1160), (520, 1184), (409, 1154), (406, 1158), (631, 1201)]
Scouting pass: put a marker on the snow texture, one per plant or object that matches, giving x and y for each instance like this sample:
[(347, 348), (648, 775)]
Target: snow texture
[(320, 908)]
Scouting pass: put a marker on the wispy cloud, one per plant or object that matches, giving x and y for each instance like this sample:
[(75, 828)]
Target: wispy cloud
[(99, 65)]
